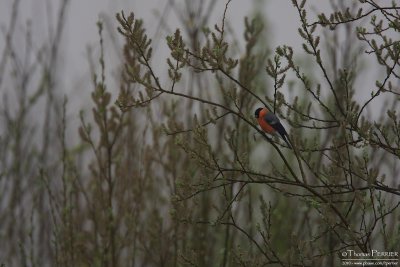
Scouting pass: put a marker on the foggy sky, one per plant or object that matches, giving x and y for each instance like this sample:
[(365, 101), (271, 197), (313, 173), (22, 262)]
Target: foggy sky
[(80, 31)]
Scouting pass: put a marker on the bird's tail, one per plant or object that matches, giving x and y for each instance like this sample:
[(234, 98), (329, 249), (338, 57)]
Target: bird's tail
[(286, 139)]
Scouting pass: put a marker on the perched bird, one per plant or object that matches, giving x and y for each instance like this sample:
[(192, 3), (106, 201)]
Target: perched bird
[(270, 123)]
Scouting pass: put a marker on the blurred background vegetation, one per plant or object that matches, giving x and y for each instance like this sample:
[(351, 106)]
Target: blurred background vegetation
[(166, 166)]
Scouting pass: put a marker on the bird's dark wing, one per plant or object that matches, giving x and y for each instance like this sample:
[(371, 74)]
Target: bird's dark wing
[(273, 120)]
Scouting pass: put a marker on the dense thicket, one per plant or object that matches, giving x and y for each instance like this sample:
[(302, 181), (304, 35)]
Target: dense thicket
[(174, 170)]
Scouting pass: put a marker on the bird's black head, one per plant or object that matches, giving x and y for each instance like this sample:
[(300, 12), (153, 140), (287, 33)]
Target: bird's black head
[(257, 112)]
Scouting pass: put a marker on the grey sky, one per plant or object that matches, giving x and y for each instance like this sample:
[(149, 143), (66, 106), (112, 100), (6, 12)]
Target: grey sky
[(81, 31)]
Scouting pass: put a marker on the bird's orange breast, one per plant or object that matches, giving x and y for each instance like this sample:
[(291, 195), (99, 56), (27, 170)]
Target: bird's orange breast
[(264, 125)]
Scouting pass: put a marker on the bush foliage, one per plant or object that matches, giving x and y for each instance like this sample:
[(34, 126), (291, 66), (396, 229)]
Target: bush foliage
[(174, 170)]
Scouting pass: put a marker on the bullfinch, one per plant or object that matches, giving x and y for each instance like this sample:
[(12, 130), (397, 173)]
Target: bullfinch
[(270, 123)]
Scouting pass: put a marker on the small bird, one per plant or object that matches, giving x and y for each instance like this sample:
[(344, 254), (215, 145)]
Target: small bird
[(270, 123)]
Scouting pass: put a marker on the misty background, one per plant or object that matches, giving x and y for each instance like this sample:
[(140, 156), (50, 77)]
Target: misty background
[(49, 54), (80, 33)]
